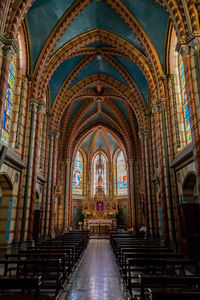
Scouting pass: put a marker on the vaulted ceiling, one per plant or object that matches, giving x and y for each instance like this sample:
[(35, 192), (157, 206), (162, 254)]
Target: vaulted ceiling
[(102, 61)]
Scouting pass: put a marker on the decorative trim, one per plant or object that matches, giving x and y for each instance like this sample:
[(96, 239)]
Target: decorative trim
[(192, 41), (185, 156), (5, 14), (42, 141), (11, 43), (41, 178), (36, 105), (144, 134), (19, 115), (178, 142), (13, 160)]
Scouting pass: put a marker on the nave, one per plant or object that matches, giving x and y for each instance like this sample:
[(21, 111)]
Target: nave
[(74, 267), (97, 276), (99, 132)]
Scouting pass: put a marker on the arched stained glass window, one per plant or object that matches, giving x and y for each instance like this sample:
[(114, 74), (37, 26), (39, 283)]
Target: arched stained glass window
[(77, 188), (121, 175), (184, 97), (8, 103), (100, 171)]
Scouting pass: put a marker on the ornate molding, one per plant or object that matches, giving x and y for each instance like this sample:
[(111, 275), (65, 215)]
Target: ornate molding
[(9, 44), (145, 134), (159, 106), (53, 134), (162, 105), (191, 43), (36, 105), (154, 108)]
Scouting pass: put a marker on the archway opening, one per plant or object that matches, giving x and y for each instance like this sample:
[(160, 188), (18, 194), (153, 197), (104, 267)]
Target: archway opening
[(190, 193)]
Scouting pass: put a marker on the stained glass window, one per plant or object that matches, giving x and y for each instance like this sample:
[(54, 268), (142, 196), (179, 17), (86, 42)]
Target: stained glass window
[(77, 188), (8, 104), (100, 172), (121, 175), (184, 97)]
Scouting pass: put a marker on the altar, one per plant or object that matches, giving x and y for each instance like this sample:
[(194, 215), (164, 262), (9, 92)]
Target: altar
[(100, 210), (99, 226)]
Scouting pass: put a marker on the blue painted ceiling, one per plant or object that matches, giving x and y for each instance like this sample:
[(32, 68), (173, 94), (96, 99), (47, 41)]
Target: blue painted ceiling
[(113, 144), (98, 65), (99, 117), (100, 142), (42, 18), (86, 144), (90, 111), (45, 14), (137, 75), (77, 105), (99, 44), (60, 74), (153, 19), (98, 15), (121, 107)]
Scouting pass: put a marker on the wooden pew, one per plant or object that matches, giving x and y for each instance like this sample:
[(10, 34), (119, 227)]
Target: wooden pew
[(70, 251), (143, 255), (165, 283), (144, 249), (66, 266), (49, 269), (157, 266), (20, 283), (173, 295)]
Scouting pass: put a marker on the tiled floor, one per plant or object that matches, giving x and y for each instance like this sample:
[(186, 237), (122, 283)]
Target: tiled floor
[(97, 276)]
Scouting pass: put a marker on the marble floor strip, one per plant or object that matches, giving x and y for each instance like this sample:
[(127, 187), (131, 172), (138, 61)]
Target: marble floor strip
[(97, 276)]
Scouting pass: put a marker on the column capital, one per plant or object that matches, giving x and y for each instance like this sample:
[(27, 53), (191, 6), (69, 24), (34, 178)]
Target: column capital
[(165, 77), (162, 104), (159, 106), (8, 45), (66, 161), (144, 134), (191, 43), (53, 134), (36, 105)]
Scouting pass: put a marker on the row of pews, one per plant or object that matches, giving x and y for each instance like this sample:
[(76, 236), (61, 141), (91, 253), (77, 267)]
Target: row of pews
[(154, 271), (41, 272)]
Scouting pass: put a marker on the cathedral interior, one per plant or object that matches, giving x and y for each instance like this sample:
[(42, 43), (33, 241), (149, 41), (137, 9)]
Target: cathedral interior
[(100, 120)]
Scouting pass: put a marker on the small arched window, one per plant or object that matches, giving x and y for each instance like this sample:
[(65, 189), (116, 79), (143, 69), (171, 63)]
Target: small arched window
[(77, 188), (9, 100), (184, 98), (121, 175), (100, 172)]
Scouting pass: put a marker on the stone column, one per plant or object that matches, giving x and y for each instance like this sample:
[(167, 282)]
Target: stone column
[(144, 168), (34, 107), (190, 51), (145, 135), (174, 185), (35, 164), (22, 175), (53, 183), (69, 224), (133, 195), (48, 192), (160, 151), (130, 206), (163, 109), (9, 49), (67, 194)]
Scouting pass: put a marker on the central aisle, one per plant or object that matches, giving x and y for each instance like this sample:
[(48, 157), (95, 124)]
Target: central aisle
[(97, 277)]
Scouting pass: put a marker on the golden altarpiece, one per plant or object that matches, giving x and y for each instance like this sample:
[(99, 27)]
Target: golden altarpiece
[(100, 211)]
